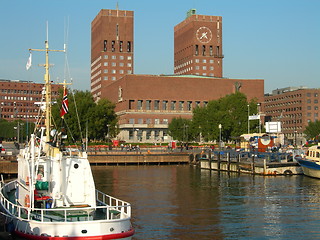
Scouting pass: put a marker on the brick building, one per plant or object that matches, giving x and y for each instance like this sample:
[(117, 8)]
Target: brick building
[(294, 108), (198, 45), (146, 104), (17, 99), (111, 48)]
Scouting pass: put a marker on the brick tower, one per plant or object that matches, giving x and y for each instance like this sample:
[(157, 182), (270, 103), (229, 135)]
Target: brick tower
[(111, 48), (198, 45)]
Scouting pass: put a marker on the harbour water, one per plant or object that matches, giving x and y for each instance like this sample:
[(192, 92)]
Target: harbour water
[(184, 202)]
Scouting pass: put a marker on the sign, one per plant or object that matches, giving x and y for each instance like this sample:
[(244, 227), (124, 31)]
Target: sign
[(254, 117), (273, 127)]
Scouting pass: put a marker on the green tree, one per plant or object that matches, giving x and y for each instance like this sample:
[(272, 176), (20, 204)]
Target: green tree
[(313, 129), (182, 129), (84, 114), (230, 111)]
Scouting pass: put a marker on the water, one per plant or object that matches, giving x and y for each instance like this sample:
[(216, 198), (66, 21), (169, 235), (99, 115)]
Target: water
[(184, 202)]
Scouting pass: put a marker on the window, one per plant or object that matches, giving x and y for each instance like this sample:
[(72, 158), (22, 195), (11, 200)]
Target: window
[(173, 105), (129, 65), (129, 46), (140, 121), (105, 45), (139, 106), (148, 105), (165, 121), (316, 101), (197, 104), (204, 60), (211, 51), (197, 50), (148, 134), (113, 78), (114, 57), (105, 71), (309, 107), (131, 102), (120, 46), (129, 57), (113, 71), (189, 105), (148, 121), (113, 46), (203, 50), (181, 103), (131, 120), (105, 64), (121, 57), (105, 78), (308, 94), (164, 105), (308, 101), (105, 56), (121, 71), (157, 121), (114, 64), (156, 105)]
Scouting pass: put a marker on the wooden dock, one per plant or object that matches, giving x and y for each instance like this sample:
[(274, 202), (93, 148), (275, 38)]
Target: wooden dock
[(251, 166), (9, 164)]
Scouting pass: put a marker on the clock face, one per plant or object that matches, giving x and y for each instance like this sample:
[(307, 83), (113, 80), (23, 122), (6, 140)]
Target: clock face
[(204, 34)]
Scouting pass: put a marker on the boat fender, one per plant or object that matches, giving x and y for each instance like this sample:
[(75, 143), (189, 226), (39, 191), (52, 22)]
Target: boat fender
[(287, 172), (27, 201)]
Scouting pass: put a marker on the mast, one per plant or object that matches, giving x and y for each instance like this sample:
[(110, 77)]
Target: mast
[(48, 104)]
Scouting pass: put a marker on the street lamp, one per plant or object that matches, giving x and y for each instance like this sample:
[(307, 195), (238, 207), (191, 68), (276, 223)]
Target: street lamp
[(258, 105), (220, 127), (248, 118)]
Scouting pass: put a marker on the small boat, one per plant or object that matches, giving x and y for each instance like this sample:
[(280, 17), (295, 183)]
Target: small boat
[(310, 162), (54, 196)]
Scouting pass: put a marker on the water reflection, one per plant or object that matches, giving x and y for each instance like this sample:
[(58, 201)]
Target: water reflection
[(184, 202)]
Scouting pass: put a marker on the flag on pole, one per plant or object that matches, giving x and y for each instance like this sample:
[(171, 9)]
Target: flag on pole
[(65, 104), (28, 65)]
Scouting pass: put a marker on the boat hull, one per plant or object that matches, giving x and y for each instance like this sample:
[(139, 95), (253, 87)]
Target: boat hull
[(310, 168)]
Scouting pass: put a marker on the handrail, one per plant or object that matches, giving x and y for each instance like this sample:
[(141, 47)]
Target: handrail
[(107, 210)]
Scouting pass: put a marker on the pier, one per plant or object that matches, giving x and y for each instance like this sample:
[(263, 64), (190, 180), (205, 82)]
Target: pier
[(250, 164)]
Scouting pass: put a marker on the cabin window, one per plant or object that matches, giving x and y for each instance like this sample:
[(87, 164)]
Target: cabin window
[(40, 172)]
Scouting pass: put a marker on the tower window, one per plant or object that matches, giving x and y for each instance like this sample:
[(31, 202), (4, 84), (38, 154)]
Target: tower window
[(211, 50), (120, 46), (197, 50), (105, 45), (203, 50), (113, 46), (129, 46)]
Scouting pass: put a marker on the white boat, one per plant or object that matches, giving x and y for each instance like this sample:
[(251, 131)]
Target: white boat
[(310, 162), (54, 195)]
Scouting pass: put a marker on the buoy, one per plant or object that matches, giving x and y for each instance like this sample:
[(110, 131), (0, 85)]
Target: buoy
[(27, 201)]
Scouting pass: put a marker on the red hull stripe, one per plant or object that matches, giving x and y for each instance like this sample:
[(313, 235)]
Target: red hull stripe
[(104, 237)]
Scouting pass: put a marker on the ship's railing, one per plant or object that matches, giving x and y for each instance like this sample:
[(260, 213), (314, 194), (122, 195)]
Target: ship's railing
[(109, 208)]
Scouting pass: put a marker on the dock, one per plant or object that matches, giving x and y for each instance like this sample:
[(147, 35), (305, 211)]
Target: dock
[(250, 165)]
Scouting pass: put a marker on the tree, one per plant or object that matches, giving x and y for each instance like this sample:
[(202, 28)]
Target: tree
[(230, 111), (182, 129), (99, 118), (313, 129)]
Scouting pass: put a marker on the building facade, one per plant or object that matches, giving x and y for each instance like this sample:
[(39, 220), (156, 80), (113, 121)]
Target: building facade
[(146, 104), (294, 108), (18, 98), (198, 45), (111, 48)]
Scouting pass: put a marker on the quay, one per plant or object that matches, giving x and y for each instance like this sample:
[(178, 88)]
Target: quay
[(260, 165)]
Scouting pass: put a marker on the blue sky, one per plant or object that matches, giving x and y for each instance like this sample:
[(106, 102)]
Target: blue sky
[(274, 40)]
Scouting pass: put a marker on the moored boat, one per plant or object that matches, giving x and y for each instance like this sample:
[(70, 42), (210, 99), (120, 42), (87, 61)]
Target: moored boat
[(310, 162), (54, 195)]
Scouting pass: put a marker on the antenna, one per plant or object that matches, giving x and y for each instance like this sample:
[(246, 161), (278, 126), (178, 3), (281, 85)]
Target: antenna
[(47, 31)]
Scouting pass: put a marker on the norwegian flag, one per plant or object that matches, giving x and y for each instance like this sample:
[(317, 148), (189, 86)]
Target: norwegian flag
[(65, 104)]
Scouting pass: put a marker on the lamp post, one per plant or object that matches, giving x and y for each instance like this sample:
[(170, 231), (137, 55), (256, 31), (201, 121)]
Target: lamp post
[(248, 118), (220, 127), (258, 105)]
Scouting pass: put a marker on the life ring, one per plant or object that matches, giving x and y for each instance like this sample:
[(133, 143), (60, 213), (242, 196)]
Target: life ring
[(27, 201)]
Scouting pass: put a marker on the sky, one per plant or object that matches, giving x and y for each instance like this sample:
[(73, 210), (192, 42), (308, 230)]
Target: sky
[(274, 40)]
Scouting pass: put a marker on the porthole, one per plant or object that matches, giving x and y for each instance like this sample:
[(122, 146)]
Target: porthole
[(111, 229), (76, 166), (84, 231)]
